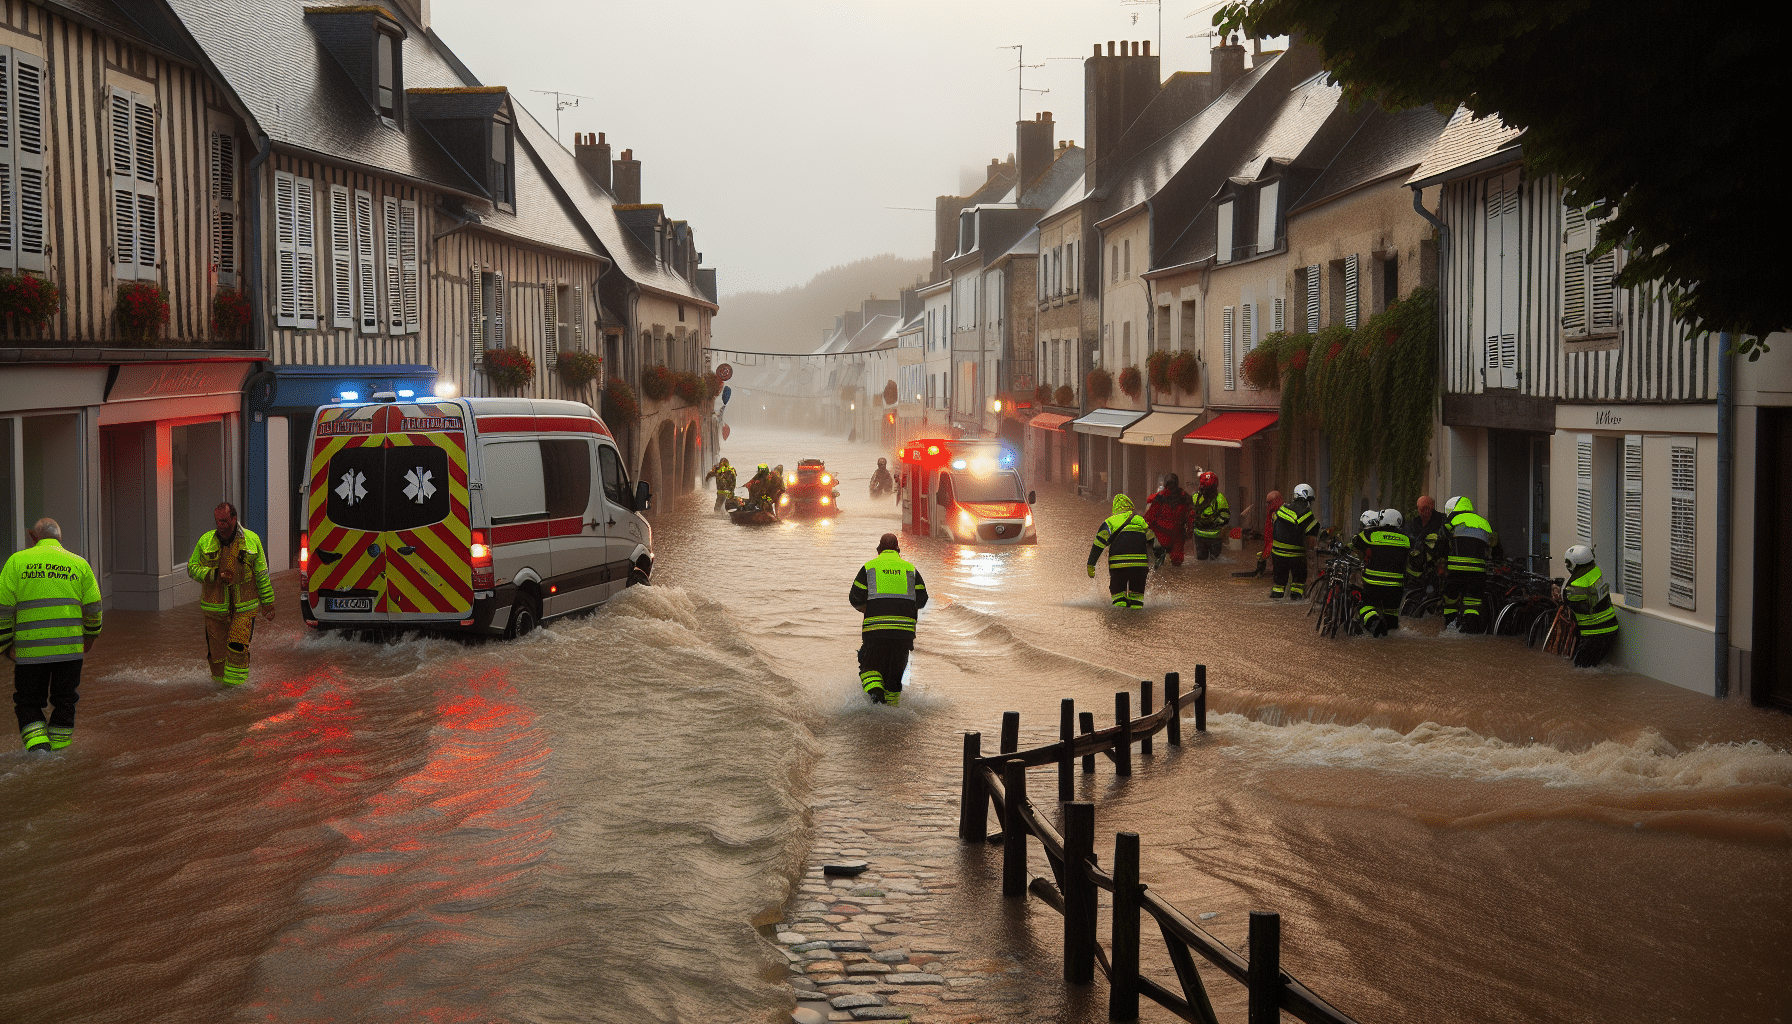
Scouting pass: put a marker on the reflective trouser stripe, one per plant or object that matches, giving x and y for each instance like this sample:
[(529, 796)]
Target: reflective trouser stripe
[(871, 679), (227, 647), (34, 735), (61, 736)]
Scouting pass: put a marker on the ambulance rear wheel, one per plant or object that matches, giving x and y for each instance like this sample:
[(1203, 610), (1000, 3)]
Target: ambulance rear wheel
[(525, 615), (637, 576)]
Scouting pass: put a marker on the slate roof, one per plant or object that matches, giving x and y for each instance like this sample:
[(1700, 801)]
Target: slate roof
[(147, 24), (1027, 246), (1065, 172), (1466, 140), (1386, 144), (1290, 134), (877, 331), (1072, 196)]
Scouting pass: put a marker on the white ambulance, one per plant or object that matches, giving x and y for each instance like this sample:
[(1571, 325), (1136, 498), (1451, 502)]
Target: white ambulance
[(482, 514), (965, 491)]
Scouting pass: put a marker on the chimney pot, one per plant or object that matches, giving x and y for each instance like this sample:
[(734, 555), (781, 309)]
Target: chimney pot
[(593, 155), (1097, 49), (1147, 45), (600, 138), (1110, 47)]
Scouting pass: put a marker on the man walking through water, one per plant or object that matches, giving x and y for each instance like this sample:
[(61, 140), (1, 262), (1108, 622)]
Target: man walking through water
[(1128, 543), (232, 569), (891, 593), (49, 620)]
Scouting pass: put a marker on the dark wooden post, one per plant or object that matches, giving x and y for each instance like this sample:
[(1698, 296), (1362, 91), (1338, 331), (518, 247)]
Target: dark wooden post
[(973, 795), (1079, 893), (1066, 733), (1086, 723), (1123, 744), (1123, 990), (1010, 731), (1145, 696), (1201, 698), (1173, 697), (1264, 977), (1014, 831)]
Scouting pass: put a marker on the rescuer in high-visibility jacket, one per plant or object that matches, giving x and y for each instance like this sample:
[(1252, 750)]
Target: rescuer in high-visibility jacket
[(1293, 531), (724, 477), (1590, 599), (1127, 540), (1469, 543), (232, 569), (49, 620), (1385, 550), (891, 593), (1211, 517)]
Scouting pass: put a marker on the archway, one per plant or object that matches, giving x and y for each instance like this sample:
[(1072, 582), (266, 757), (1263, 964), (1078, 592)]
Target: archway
[(693, 456)]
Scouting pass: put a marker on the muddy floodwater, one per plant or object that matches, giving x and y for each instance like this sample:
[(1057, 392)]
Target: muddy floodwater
[(602, 821)]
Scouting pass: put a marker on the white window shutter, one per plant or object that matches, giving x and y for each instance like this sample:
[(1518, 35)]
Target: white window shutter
[(1602, 292), (1583, 488), (1223, 236), (304, 225), (394, 275), (496, 334), (124, 185), (1632, 573), (342, 267), (1576, 242), (223, 206), (578, 317), (1683, 519), (9, 173), (550, 318), (143, 135), (409, 266), (1226, 346), (1281, 316), (286, 288), (1313, 299), (28, 210), (476, 308), (367, 312), (1352, 291), (1266, 217)]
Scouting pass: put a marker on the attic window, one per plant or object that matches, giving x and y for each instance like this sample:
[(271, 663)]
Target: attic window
[(388, 72), (503, 177)]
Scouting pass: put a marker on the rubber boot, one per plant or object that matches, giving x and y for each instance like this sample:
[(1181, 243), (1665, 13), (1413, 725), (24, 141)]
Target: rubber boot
[(61, 736), (36, 738), (892, 697)]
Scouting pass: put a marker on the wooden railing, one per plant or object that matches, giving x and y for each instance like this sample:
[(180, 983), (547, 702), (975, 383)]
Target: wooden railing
[(1076, 874)]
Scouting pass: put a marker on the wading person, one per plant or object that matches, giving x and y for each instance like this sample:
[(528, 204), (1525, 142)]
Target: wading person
[(1211, 517), (1590, 599), (1468, 544), (49, 620), (232, 569), (724, 477), (1292, 532), (891, 593), (1168, 513), (1385, 550), (1127, 541)]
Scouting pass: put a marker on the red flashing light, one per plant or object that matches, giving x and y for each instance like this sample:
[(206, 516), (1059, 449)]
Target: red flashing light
[(480, 558), (304, 558)]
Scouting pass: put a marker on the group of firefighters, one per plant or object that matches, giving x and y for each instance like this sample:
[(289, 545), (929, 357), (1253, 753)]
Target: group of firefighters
[(1457, 543), (764, 487)]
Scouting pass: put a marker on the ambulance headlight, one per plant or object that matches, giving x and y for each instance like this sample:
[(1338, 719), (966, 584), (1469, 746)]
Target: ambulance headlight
[(826, 479), (957, 463)]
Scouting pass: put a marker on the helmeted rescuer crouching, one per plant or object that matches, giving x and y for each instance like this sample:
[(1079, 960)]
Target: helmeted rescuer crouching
[(232, 569), (1589, 597), (891, 593)]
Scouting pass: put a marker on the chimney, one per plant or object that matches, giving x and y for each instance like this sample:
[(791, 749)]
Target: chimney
[(995, 168), (1116, 89), (593, 155), (1227, 62), (628, 179), (1033, 147)]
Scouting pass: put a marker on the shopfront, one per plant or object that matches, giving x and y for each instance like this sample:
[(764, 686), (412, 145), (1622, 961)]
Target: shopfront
[(47, 436)]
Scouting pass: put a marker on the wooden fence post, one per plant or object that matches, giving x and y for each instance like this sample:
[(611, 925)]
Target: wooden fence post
[(1173, 697), (1086, 723), (1123, 987), (1123, 743), (973, 795), (1014, 831), (1010, 731), (1145, 696), (1264, 976), (1079, 893), (1066, 733), (1201, 698)]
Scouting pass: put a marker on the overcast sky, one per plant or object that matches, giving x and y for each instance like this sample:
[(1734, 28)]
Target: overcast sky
[(782, 130)]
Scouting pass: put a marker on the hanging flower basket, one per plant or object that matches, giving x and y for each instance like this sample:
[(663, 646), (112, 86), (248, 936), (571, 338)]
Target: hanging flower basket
[(230, 314), (578, 369), (1185, 372), (1333, 352), (712, 386), (29, 301), (142, 311), (1064, 395), (890, 393), (657, 381), (509, 368), (1157, 370), (1100, 386), (621, 402), (688, 387), (1298, 362), (1043, 394), (1131, 381), (1261, 371)]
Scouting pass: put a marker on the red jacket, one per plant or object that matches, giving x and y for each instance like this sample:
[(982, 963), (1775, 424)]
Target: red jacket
[(1269, 523), (1169, 512)]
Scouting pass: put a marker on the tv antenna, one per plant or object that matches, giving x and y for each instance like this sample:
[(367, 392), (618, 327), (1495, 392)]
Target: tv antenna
[(1159, 4), (562, 100), (1020, 80)]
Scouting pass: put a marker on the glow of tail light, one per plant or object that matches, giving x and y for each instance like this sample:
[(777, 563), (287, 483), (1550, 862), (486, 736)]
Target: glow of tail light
[(1029, 522), (827, 500)]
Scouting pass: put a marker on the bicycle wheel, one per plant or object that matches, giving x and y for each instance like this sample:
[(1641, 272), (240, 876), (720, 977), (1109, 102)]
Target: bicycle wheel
[(1567, 632), (1509, 622), (1538, 631)]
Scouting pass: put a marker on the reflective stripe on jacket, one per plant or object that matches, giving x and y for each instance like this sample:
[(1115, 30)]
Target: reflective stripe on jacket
[(49, 604), (1292, 528), (248, 562), (1211, 515), (1126, 539), (890, 592), (1591, 601), (1385, 554), (1472, 542)]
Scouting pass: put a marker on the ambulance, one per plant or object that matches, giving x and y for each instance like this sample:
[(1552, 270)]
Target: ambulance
[(489, 515), (966, 491)]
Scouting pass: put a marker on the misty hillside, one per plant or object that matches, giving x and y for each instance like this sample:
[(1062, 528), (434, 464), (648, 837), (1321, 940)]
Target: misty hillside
[(792, 320)]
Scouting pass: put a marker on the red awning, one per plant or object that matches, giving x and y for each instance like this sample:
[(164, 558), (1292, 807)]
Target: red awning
[(1049, 421), (1229, 429)]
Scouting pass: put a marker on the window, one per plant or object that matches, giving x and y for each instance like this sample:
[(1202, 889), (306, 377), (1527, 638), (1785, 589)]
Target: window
[(1226, 347), (615, 477), (1057, 270), (1280, 321), (515, 490), (1683, 484), (404, 314), (223, 205), (367, 306), (388, 74), (486, 302), (1631, 577), (21, 161), (1186, 322), (1390, 282), (1070, 284), (1113, 264), (1247, 333), (1312, 274), (566, 474), (681, 312), (135, 219), (1500, 279), (1266, 217), (1126, 257), (1353, 293), (1126, 344), (1223, 238), (503, 178), (562, 318), (1583, 488), (342, 258), (1589, 290), (295, 251)]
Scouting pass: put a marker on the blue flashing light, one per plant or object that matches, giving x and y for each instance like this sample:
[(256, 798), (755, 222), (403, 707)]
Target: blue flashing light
[(1007, 458), (407, 393), (351, 396)]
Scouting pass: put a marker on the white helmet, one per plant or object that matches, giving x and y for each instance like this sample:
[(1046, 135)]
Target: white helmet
[(1578, 557), (1370, 519), (1391, 518), (1450, 506), (1303, 491)]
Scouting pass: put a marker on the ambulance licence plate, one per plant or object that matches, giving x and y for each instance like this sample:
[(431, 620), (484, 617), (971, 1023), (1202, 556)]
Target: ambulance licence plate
[(348, 604)]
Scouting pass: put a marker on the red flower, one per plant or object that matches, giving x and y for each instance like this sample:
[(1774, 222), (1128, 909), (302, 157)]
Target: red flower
[(1333, 352), (1299, 360)]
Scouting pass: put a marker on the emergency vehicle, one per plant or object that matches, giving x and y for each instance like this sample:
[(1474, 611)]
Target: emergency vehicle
[(968, 491), (482, 514)]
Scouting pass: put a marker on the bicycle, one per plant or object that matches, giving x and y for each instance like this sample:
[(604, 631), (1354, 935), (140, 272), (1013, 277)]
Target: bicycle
[(1338, 603), (1520, 598), (1556, 632)]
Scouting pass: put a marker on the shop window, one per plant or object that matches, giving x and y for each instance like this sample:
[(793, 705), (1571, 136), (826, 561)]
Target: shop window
[(196, 454), (11, 533)]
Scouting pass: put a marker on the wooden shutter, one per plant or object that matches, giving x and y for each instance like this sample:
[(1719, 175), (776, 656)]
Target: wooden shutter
[(1313, 299), (342, 259), (408, 266), (476, 305), (1632, 573), (1683, 484), (550, 318), (1352, 290), (304, 226), (9, 173), (1576, 242), (495, 333), (1226, 346), (124, 185), (1501, 270), (394, 275), (367, 313), (22, 190), (1223, 237), (223, 206), (1281, 316), (143, 138), (1602, 293), (286, 290), (578, 317), (1583, 488)]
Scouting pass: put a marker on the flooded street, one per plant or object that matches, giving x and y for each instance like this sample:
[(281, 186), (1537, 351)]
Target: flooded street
[(603, 821)]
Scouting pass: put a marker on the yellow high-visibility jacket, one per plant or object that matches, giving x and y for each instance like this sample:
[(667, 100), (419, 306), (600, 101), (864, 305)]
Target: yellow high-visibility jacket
[(49, 604), (248, 561)]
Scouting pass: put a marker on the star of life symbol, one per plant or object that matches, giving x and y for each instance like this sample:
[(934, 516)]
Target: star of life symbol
[(353, 487), (420, 488)]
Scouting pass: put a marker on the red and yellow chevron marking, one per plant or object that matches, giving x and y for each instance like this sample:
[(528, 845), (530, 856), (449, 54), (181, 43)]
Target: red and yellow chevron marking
[(438, 578)]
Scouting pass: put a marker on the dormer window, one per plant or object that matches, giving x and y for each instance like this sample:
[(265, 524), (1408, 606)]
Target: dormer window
[(388, 81), (503, 177), (1223, 241), (1266, 217)]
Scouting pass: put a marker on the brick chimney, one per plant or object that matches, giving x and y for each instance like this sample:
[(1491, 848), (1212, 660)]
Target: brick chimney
[(1033, 147), (628, 178), (1227, 62), (1116, 89), (593, 155)]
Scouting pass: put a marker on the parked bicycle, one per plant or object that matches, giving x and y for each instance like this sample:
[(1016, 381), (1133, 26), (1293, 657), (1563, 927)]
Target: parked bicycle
[(1337, 598), (1556, 632), (1516, 596)]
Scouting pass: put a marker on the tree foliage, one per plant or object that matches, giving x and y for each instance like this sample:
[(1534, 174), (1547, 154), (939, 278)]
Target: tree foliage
[(1626, 103)]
